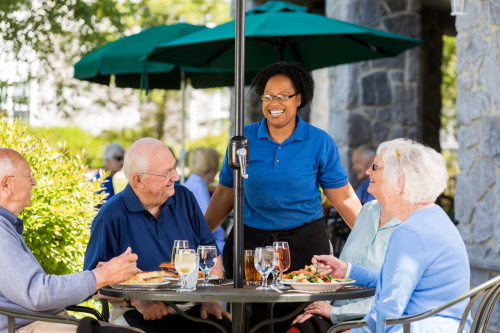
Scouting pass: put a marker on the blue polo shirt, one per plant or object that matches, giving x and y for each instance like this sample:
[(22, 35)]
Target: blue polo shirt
[(124, 222), (282, 189)]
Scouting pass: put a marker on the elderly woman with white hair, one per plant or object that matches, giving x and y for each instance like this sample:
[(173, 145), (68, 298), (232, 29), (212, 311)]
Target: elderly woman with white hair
[(426, 263)]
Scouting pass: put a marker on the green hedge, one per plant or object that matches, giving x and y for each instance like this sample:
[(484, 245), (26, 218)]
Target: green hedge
[(63, 202)]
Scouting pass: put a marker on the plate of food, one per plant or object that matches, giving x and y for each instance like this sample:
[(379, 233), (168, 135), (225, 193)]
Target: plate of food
[(152, 279), (308, 279)]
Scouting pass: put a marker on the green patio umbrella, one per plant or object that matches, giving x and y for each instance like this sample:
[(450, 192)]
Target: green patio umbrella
[(124, 58), (278, 31)]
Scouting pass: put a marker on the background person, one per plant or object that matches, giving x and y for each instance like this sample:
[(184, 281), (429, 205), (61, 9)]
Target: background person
[(114, 154), (204, 165), (288, 159), (24, 286), (362, 159), (426, 263), (149, 214)]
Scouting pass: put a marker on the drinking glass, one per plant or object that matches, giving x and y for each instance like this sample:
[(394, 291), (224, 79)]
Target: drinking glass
[(252, 276), (264, 262), (283, 261), (208, 259), (185, 263), (178, 244), (274, 272)]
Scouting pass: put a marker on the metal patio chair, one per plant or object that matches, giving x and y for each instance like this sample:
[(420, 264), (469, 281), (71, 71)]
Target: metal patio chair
[(486, 294), (13, 314)]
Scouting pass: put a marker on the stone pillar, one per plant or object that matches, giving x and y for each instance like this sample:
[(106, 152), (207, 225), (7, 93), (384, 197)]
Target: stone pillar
[(374, 101), (477, 198)]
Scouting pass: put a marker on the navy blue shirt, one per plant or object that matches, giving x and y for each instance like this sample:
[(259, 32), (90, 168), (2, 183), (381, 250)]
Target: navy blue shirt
[(124, 222), (282, 189)]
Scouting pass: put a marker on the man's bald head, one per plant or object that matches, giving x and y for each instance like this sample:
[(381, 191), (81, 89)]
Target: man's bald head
[(16, 181)]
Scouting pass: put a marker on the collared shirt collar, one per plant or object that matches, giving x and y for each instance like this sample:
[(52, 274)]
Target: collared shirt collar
[(16, 222), (300, 132), (133, 203)]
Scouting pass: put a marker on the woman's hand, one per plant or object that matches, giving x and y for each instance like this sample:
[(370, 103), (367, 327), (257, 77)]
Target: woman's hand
[(329, 265), (318, 308)]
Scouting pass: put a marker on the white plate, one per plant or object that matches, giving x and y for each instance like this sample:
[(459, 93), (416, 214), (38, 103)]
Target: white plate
[(210, 277), (321, 287), (139, 285)]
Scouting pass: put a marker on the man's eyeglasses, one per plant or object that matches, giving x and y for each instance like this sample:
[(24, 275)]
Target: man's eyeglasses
[(169, 171), (118, 158), (279, 98)]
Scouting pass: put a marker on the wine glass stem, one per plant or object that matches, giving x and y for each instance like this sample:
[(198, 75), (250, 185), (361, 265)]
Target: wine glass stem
[(264, 280), (205, 277)]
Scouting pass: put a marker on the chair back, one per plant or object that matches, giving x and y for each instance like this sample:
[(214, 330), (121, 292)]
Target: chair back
[(486, 295)]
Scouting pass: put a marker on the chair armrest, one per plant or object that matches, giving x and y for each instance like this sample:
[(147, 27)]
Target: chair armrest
[(347, 325)]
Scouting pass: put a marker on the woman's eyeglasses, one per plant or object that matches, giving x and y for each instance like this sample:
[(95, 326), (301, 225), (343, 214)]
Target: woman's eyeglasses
[(279, 98)]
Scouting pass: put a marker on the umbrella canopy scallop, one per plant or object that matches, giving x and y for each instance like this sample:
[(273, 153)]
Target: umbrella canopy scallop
[(281, 31)]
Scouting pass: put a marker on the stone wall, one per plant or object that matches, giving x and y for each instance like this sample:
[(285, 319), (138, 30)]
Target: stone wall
[(477, 198), (378, 99)]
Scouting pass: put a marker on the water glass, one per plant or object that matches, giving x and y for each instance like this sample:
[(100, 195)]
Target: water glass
[(207, 258), (264, 262)]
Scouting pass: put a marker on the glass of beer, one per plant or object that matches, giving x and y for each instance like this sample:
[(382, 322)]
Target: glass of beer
[(252, 276)]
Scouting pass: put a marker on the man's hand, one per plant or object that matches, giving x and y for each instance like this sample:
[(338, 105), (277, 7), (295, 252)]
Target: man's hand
[(318, 308), (151, 310), (330, 265), (117, 270), (215, 309)]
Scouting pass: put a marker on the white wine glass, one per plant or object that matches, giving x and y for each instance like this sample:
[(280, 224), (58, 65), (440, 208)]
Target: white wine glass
[(208, 258), (283, 261), (178, 244), (185, 263), (264, 262)]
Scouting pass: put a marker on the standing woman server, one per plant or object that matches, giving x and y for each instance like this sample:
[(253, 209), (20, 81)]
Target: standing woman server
[(289, 160)]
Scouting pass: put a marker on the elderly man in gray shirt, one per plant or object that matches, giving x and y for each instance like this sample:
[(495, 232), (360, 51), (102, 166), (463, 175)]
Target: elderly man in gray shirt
[(24, 286)]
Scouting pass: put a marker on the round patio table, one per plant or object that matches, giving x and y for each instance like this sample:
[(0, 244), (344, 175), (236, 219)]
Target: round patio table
[(237, 297)]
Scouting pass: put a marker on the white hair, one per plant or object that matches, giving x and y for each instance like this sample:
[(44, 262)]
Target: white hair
[(111, 149), (138, 156), (368, 153), (422, 169), (203, 160), (6, 166)]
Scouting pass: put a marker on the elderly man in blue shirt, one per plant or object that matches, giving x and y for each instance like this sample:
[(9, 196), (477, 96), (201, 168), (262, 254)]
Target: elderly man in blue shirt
[(149, 214)]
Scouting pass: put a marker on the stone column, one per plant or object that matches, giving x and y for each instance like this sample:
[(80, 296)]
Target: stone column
[(374, 101), (477, 198)]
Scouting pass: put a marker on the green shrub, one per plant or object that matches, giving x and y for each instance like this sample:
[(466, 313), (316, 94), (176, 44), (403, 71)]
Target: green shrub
[(63, 202)]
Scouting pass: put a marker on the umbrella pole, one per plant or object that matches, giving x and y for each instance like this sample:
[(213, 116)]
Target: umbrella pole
[(183, 124), (238, 191)]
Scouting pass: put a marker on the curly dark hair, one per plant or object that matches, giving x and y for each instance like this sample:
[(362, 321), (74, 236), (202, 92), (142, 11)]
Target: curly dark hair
[(295, 71)]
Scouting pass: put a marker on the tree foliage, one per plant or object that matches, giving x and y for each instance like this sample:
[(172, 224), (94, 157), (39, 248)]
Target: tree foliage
[(449, 84), (63, 201)]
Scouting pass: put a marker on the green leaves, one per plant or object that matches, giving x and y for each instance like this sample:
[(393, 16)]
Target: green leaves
[(57, 224)]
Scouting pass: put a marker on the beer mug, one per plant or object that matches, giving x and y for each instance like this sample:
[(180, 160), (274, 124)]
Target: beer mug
[(252, 276)]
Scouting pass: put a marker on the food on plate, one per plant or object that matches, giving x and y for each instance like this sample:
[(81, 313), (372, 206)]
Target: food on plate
[(148, 277), (169, 270), (310, 275)]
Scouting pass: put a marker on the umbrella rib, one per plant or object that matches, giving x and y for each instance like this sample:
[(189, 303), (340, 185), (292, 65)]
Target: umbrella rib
[(370, 45)]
